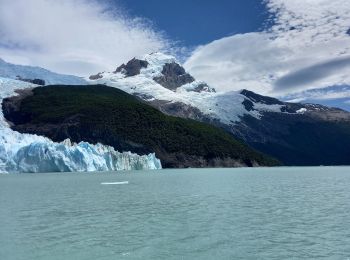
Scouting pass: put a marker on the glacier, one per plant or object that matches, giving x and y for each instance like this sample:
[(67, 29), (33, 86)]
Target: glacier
[(12, 71), (27, 153)]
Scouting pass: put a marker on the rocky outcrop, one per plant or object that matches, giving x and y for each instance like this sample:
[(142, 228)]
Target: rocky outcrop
[(260, 99), (204, 87), (40, 82), (132, 68), (96, 76), (174, 76)]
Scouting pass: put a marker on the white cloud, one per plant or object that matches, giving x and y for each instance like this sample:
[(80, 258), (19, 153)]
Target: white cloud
[(320, 94), (308, 35), (72, 36)]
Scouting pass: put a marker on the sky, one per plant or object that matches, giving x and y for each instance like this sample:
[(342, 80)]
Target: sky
[(195, 22), (291, 49)]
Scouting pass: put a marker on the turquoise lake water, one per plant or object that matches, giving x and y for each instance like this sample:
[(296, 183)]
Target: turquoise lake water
[(267, 213)]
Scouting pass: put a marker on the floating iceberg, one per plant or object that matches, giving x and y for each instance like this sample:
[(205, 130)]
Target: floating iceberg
[(32, 153)]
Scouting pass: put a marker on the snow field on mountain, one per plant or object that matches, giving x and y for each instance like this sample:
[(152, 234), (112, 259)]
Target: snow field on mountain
[(227, 107)]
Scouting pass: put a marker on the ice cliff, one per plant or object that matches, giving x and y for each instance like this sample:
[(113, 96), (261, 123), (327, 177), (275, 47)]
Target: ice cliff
[(32, 153)]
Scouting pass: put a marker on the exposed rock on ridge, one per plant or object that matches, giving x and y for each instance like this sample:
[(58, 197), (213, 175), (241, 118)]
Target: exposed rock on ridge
[(132, 68), (174, 76)]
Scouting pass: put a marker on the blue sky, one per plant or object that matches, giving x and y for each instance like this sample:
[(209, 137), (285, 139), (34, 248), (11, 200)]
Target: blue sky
[(198, 22)]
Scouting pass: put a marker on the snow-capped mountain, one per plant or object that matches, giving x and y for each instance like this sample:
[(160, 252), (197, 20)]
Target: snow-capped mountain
[(160, 80), (32, 153), (278, 128), (30, 73)]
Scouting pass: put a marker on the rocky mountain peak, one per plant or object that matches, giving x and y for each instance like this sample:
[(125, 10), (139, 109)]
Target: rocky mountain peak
[(161, 68), (132, 68), (173, 76)]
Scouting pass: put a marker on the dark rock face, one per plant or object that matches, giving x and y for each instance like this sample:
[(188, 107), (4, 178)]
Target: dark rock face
[(10, 106), (256, 98), (261, 99), (183, 110), (96, 76), (132, 68), (178, 109), (248, 105), (203, 87), (174, 76), (40, 82)]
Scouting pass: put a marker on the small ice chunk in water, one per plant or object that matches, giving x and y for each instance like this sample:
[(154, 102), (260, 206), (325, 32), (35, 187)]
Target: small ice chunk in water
[(115, 183)]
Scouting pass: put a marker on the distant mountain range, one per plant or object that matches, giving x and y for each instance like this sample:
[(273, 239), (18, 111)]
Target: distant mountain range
[(293, 133)]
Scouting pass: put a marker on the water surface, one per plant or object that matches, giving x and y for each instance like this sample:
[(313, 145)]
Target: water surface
[(279, 213)]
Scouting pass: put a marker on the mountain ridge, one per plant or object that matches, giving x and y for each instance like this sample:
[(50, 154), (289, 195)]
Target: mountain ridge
[(260, 121)]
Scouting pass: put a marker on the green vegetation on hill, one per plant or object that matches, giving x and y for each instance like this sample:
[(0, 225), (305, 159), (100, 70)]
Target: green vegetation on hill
[(110, 116)]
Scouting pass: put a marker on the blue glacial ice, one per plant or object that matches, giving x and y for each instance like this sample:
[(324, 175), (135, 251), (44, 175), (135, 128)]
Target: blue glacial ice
[(23, 153)]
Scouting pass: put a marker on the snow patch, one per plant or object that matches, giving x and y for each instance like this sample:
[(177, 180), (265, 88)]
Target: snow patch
[(301, 110), (193, 86), (268, 108)]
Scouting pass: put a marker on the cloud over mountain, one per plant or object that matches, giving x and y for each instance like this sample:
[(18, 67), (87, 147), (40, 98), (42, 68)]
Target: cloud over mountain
[(72, 36), (307, 47)]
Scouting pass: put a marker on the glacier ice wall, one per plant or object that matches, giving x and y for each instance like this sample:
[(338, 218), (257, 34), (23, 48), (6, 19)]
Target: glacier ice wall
[(66, 157), (32, 153)]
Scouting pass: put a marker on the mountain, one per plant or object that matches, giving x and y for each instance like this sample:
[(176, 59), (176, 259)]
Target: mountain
[(36, 75), (101, 114), (33, 153), (164, 89), (301, 134), (333, 96), (294, 133)]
